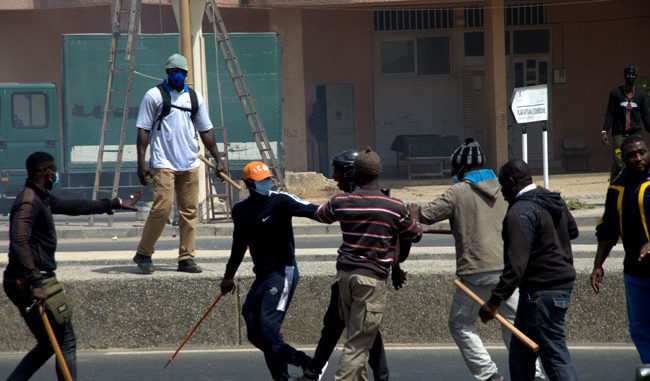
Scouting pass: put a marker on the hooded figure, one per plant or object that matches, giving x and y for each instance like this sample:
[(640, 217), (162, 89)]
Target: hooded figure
[(474, 207)]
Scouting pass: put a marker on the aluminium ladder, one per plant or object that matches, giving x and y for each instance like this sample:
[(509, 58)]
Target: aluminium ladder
[(214, 185), (126, 19), (243, 93)]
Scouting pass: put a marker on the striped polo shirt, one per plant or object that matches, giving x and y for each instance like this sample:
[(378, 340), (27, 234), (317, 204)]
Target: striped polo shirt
[(371, 223)]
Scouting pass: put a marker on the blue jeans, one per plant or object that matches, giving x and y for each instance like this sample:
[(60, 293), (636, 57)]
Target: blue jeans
[(541, 317), (637, 299), (263, 311)]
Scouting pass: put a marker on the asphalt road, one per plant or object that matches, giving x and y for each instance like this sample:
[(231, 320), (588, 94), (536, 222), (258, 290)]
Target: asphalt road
[(412, 363)]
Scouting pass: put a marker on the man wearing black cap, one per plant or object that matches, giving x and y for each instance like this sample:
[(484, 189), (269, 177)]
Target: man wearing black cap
[(626, 109), (473, 205), (371, 224)]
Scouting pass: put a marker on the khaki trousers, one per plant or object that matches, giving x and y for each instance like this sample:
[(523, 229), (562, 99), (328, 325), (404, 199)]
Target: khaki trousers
[(186, 185), (362, 304)]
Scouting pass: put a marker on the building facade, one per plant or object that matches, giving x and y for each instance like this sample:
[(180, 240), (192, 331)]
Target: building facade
[(358, 73)]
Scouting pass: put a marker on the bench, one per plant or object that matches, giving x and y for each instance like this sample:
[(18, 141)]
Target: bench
[(575, 147), (424, 151)]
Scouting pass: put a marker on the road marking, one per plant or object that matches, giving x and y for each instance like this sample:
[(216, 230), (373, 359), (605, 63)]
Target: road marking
[(389, 347)]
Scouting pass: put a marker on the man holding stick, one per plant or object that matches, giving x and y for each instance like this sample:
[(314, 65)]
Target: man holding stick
[(262, 224), (30, 272), (171, 118), (473, 205), (537, 234)]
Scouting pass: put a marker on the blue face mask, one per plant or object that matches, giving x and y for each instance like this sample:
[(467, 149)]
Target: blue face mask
[(55, 184), (177, 79), (264, 187)]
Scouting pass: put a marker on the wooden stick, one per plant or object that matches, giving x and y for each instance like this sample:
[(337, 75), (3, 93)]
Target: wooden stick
[(192, 331), (520, 335), (57, 350), (221, 174), (436, 231)]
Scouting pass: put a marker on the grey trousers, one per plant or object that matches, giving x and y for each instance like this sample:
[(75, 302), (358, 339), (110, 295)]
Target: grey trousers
[(463, 315)]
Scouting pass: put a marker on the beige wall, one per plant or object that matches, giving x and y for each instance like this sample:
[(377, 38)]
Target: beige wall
[(289, 23), (593, 44), (338, 49)]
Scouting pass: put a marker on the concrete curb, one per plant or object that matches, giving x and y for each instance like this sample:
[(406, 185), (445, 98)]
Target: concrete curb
[(302, 226), (116, 308)]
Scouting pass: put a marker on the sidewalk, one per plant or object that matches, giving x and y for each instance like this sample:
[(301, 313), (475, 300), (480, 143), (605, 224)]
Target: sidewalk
[(588, 189)]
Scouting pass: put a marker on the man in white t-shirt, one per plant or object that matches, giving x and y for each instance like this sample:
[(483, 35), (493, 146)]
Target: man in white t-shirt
[(170, 116)]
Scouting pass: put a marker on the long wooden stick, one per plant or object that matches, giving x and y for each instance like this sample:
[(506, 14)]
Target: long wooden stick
[(436, 231), (520, 335), (193, 329), (221, 174), (55, 345)]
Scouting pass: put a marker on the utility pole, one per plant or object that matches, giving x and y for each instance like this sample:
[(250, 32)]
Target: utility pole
[(189, 18)]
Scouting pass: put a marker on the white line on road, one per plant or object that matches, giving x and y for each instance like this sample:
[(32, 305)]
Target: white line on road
[(390, 347)]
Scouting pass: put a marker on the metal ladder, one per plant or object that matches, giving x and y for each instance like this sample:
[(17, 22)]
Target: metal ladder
[(244, 94), (126, 19), (216, 189)]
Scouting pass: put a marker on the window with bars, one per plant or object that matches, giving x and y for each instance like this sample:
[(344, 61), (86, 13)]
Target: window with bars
[(514, 15), (413, 19), (421, 56)]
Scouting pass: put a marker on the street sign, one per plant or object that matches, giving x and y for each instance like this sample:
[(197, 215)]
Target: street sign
[(530, 104)]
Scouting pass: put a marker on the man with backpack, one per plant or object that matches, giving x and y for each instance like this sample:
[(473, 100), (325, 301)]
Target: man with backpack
[(168, 116)]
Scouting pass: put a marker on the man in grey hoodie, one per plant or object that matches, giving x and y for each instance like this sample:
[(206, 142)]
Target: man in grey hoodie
[(474, 207)]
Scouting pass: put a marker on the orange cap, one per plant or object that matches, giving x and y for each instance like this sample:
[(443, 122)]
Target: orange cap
[(257, 171)]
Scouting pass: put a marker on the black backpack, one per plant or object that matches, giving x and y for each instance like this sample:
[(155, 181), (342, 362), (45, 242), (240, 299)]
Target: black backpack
[(167, 104)]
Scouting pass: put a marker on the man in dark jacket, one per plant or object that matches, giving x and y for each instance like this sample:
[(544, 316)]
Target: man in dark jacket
[(625, 211), (263, 226), (31, 258), (537, 231), (627, 108)]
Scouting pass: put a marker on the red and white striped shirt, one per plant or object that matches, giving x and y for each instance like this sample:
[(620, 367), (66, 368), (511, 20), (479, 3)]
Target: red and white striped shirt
[(371, 223)]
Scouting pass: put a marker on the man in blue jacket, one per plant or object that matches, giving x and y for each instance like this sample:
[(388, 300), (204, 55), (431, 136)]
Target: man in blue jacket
[(263, 226)]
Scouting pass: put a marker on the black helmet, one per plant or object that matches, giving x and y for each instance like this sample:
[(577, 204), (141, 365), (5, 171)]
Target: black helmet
[(344, 162)]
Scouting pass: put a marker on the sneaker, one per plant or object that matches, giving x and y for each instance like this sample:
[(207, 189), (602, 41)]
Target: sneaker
[(145, 266), (496, 377), (313, 375), (188, 266), (322, 371)]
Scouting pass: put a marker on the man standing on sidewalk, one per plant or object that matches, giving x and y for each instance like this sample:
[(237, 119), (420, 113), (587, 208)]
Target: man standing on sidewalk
[(626, 216), (627, 108), (473, 205), (262, 224), (169, 116), (537, 234), (371, 224), (32, 243)]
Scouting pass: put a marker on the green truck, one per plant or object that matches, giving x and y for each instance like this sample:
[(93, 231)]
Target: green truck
[(29, 113)]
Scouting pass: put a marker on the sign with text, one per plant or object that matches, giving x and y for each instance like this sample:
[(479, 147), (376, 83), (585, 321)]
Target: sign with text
[(530, 104)]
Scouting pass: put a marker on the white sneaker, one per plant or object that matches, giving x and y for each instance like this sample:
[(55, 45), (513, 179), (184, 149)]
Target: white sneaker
[(322, 371)]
